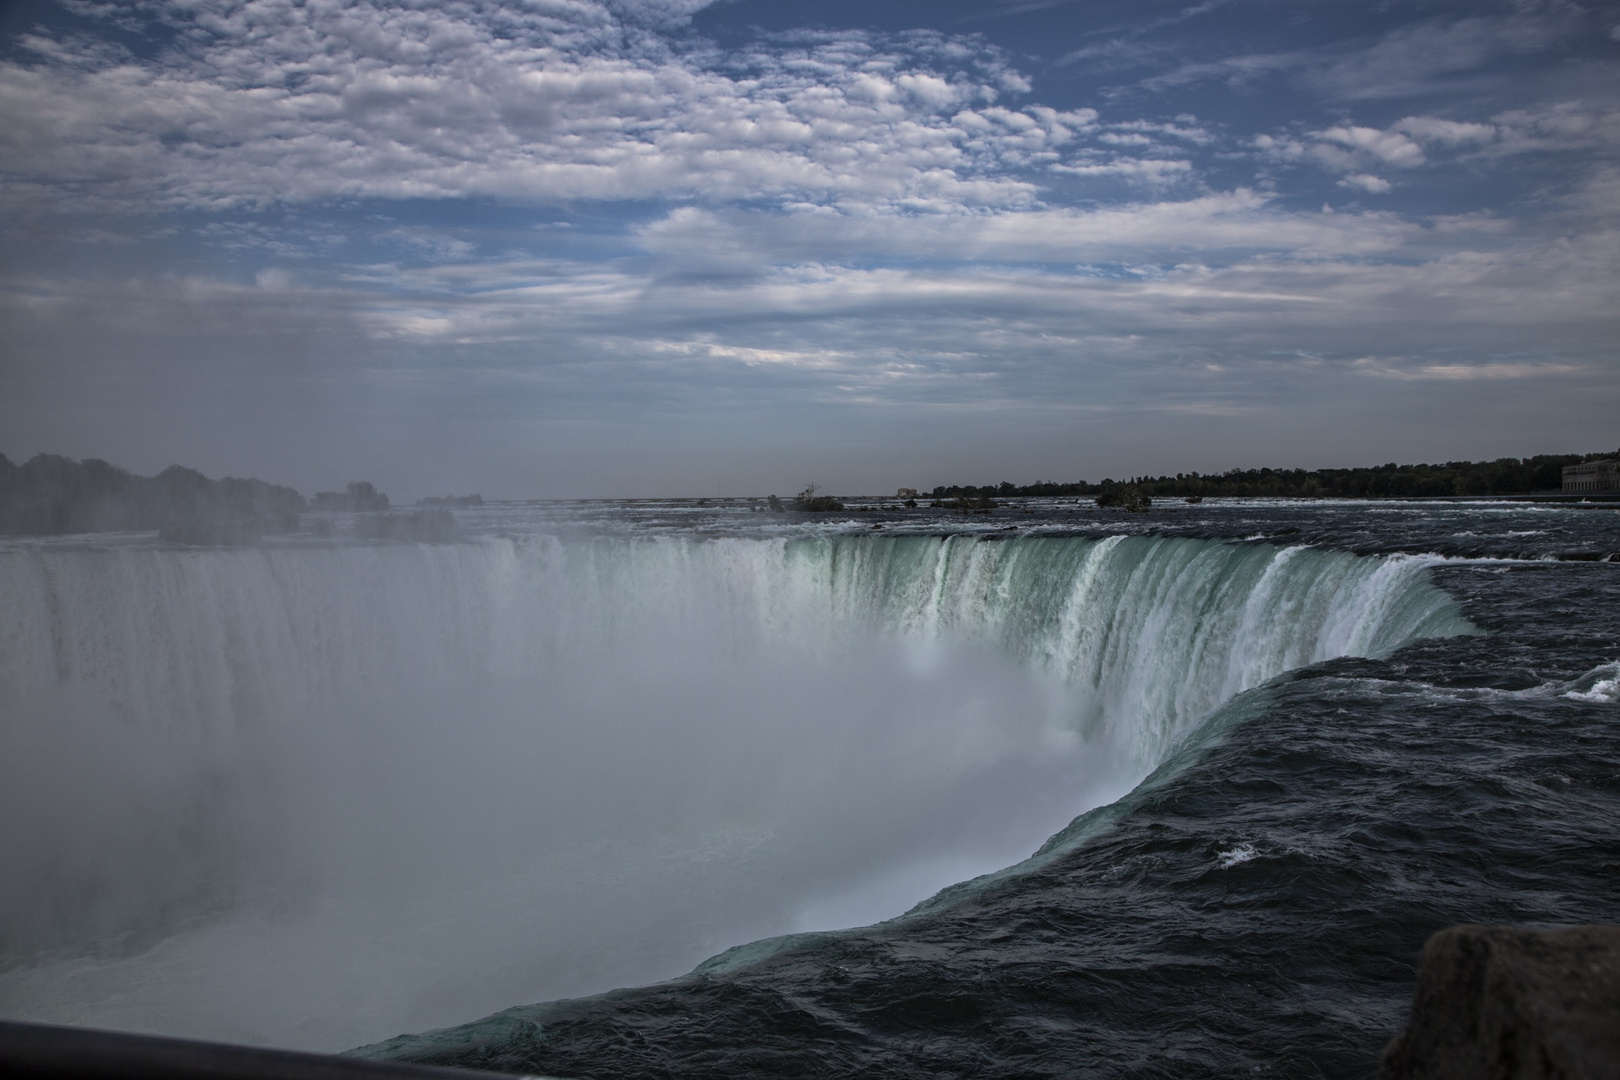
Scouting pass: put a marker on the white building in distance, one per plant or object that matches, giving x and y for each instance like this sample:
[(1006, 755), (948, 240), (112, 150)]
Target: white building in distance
[(1592, 476)]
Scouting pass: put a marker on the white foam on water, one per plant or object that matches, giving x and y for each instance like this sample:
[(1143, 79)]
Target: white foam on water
[(1601, 684)]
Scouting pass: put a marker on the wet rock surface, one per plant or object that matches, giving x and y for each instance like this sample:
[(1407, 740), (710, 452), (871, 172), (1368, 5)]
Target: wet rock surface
[(1501, 1003)]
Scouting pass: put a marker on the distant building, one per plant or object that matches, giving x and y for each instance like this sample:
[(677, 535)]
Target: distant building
[(1592, 476), (906, 493)]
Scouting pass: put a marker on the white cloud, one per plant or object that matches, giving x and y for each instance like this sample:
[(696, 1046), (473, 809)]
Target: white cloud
[(1411, 59), (1414, 141), (1561, 127), (1447, 133), (1219, 228), (1349, 149), (851, 210), (1185, 130), (548, 101), (1140, 170), (1349, 143), (1372, 185), (1488, 371), (1235, 71), (966, 331), (650, 12), (1558, 128), (1221, 305)]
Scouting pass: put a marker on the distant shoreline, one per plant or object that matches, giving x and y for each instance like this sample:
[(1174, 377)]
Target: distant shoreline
[(50, 495)]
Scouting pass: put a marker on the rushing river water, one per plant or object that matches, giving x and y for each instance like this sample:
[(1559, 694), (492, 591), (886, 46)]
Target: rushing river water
[(322, 791)]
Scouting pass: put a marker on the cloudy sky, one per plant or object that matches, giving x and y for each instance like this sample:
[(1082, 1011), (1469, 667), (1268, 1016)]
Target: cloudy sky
[(639, 247)]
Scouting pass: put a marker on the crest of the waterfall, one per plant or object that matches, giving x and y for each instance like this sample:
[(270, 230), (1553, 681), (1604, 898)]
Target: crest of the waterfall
[(315, 795), (1150, 634)]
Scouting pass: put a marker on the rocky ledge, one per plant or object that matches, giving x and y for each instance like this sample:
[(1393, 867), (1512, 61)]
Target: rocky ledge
[(1502, 1003)]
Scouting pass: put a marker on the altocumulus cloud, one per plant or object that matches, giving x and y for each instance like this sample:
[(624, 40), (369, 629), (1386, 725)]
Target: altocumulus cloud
[(535, 246), (265, 102)]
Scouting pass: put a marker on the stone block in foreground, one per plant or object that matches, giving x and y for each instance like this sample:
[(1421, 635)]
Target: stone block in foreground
[(1502, 1003)]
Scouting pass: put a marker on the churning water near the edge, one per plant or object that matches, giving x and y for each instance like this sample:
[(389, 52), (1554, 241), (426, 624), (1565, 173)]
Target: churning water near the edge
[(317, 794)]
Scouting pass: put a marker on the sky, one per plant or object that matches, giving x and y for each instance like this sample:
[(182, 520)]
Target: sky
[(593, 248)]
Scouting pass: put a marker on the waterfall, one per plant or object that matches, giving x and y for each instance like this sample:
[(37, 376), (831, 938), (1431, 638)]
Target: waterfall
[(316, 794)]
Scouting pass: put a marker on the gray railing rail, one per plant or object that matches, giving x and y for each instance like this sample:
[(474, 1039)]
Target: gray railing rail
[(44, 1052)]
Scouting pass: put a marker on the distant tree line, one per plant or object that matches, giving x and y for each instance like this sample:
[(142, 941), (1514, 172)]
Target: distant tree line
[(360, 496), (52, 495), (1504, 476)]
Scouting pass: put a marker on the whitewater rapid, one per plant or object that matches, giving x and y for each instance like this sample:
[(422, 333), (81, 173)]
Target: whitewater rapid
[(317, 794)]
